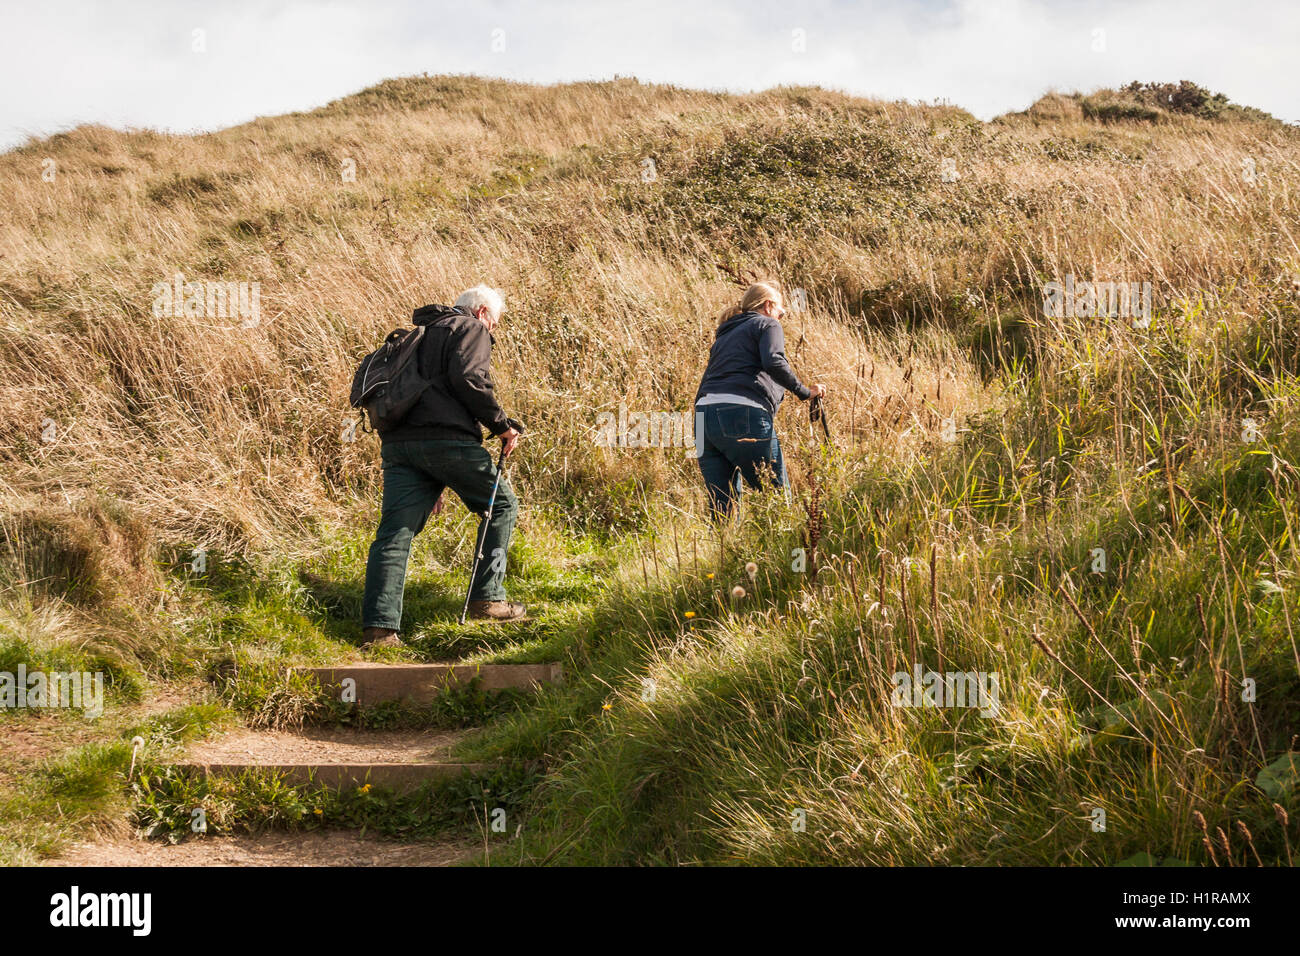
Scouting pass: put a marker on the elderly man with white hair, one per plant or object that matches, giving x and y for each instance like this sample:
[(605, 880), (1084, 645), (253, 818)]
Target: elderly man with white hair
[(439, 445)]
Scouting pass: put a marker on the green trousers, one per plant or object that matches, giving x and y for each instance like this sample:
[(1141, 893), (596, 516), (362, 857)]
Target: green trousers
[(415, 474)]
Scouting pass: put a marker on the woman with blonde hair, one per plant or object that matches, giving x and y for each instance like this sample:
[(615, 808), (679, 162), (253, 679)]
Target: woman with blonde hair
[(743, 385)]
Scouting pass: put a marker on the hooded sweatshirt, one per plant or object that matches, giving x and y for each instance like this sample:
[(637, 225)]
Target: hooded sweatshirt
[(748, 359)]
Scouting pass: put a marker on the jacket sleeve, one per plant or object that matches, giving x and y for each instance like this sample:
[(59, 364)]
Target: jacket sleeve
[(771, 354), (470, 378)]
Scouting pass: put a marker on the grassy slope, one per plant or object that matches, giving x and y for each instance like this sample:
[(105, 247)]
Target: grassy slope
[(924, 305)]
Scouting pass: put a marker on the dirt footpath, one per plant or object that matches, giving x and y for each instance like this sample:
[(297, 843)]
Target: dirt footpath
[(324, 848)]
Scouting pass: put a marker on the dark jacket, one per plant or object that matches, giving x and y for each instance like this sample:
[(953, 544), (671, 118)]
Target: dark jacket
[(748, 358), (454, 355)]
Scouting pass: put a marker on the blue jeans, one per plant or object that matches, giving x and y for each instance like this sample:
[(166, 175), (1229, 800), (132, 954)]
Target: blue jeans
[(415, 474), (737, 442)]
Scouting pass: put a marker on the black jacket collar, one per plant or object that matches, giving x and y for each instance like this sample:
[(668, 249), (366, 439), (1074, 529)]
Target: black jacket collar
[(428, 314)]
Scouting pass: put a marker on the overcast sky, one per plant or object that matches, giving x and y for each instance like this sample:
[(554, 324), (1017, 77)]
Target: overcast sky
[(135, 63)]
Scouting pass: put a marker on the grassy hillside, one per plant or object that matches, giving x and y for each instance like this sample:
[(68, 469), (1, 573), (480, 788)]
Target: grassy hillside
[(984, 452)]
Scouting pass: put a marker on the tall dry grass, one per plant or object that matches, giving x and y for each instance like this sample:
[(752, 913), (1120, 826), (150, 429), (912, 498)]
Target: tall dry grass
[(216, 435)]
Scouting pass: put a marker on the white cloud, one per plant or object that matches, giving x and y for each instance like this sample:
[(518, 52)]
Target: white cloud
[(132, 63)]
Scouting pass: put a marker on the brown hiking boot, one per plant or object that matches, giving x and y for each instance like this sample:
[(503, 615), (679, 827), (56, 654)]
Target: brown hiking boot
[(380, 637), (497, 610)]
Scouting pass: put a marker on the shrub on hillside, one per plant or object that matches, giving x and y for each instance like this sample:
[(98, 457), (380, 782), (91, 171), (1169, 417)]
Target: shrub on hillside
[(800, 176), (1187, 98), (1149, 102)]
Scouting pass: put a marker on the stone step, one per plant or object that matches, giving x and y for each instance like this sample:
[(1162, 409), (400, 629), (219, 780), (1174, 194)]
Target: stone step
[(335, 757), (421, 683)]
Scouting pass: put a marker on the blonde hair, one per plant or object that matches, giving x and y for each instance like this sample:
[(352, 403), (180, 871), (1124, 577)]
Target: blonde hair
[(755, 297)]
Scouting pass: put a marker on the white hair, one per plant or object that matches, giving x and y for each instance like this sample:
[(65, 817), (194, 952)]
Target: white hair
[(482, 295)]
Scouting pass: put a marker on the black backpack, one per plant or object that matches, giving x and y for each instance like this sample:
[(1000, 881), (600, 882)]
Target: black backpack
[(388, 382)]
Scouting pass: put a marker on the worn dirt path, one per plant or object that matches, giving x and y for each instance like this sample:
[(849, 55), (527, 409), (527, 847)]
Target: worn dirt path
[(324, 848)]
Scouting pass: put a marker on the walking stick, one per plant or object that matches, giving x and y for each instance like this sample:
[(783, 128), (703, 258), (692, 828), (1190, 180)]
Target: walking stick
[(483, 523), (817, 413)]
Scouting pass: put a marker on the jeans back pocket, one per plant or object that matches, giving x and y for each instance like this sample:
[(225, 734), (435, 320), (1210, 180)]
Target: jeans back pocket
[(760, 424), (733, 421)]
